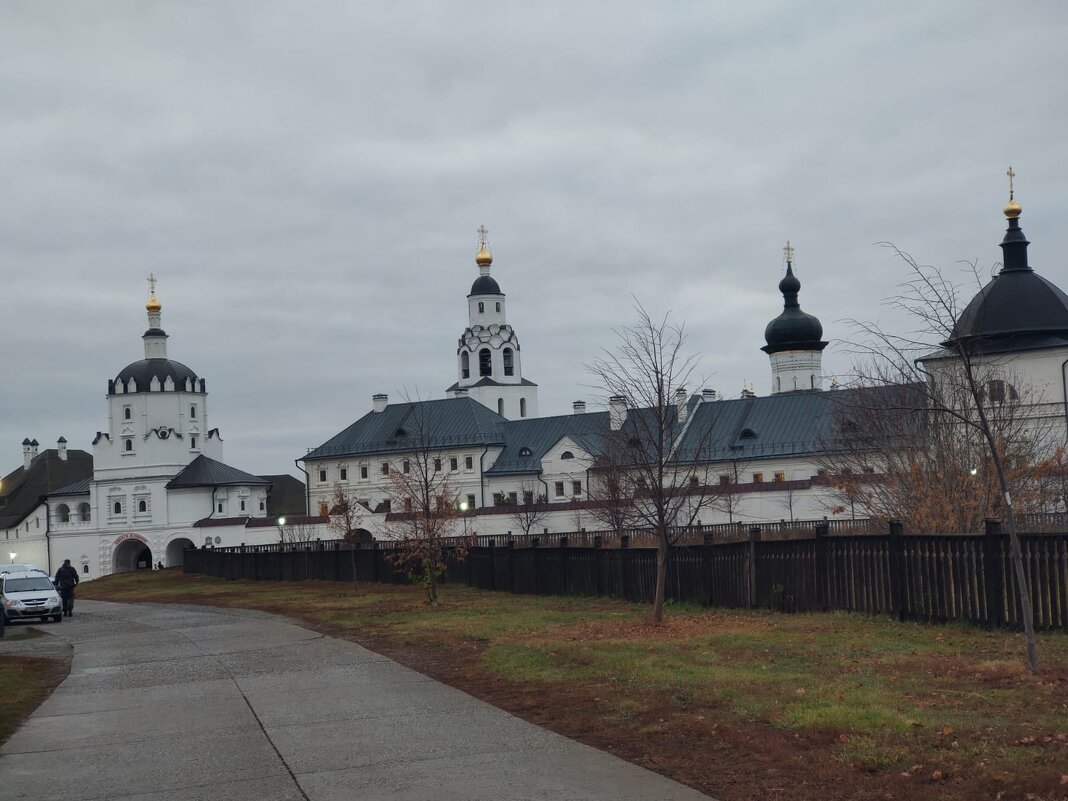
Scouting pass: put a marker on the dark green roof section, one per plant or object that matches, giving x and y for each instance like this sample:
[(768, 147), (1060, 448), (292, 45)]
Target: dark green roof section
[(77, 488), (286, 497), (448, 422), (205, 472), (537, 435)]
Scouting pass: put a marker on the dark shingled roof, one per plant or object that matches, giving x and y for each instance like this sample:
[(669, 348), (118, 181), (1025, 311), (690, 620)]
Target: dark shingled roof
[(23, 490), (485, 285), (451, 422), (77, 488), (538, 434), (205, 472), (286, 496)]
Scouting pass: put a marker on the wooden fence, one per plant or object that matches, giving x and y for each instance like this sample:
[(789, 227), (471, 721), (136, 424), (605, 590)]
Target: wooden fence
[(931, 578)]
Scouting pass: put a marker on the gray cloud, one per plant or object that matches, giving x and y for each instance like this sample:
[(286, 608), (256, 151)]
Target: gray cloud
[(306, 180)]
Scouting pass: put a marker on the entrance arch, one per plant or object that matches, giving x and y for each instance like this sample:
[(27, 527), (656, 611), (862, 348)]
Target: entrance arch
[(176, 551), (132, 554)]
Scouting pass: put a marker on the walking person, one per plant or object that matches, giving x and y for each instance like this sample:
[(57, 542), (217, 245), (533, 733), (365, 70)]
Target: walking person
[(66, 581)]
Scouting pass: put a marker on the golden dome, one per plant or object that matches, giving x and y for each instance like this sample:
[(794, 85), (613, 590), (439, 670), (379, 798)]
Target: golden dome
[(1012, 209), (484, 258), (153, 304)]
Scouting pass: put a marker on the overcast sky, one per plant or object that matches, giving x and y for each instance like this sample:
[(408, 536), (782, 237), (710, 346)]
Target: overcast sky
[(306, 181)]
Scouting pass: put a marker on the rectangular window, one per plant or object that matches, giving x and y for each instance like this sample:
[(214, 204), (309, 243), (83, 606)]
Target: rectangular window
[(453, 464), (513, 498), (344, 474), (437, 465), (576, 487), (363, 471), (469, 463), (758, 478), (192, 443), (242, 506), (322, 476), (263, 506), (780, 476), (385, 468), (498, 499), (528, 497), (470, 501), (406, 466), (559, 489), (407, 504), (724, 478)]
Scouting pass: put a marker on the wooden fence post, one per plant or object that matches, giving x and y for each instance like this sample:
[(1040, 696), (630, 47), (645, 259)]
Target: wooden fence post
[(563, 563), (823, 594), (598, 565), (534, 543), (897, 569), (706, 561), (992, 575), (493, 565), (510, 550), (754, 540)]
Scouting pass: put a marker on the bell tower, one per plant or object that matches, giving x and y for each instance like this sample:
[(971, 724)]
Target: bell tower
[(488, 363)]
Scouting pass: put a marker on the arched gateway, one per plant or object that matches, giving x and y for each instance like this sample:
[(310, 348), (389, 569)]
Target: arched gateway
[(131, 552), (176, 551)]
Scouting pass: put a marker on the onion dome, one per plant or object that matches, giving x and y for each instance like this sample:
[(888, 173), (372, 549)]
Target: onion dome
[(1017, 309), (143, 371), (484, 284), (153, 304), (484, 258), (793, 329)]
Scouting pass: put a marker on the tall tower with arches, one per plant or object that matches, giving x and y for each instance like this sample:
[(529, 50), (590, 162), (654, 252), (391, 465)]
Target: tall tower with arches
[(488, 363)]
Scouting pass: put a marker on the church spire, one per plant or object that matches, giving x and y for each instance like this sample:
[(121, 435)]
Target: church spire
[(794, 339), (155, 338), (1014, 245)]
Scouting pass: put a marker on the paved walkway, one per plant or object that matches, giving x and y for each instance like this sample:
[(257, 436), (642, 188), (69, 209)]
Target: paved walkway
[(185, 703)]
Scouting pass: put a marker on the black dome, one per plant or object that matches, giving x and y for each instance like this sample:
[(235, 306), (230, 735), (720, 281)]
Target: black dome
[(793, 329), (1017, 305), (144, 370), (485, 285)]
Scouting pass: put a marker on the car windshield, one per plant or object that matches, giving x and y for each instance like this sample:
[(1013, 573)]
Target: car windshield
[(28, 585)]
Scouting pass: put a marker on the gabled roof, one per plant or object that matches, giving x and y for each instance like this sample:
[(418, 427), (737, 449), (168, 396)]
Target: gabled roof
[(205, 472), (539, 434), (286, 496), (23, 490), (450, 422), (486, 381)]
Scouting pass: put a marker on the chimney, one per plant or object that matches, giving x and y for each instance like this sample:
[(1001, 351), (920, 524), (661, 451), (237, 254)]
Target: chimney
[(579, 407), (27, 453), (709, 395), (61, 447), (379, 402), (617, 411), (680, 404)]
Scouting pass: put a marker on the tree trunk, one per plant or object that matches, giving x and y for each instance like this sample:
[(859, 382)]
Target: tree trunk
[(661, 580), (1030, 645)]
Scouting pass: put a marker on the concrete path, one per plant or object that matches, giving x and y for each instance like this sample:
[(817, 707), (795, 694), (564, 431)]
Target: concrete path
[(185, 703)]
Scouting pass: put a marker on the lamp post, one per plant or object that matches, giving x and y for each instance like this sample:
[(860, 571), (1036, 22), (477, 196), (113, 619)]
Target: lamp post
[(281, 529), (463, 514), (12, 554)]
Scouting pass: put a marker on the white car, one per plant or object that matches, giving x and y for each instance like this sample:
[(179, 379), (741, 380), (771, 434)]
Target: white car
[(21, 569), (28, 594)]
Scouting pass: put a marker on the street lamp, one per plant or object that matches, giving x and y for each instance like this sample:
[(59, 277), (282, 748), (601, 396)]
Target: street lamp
[(12, 554), (281, 529), (463, 513)]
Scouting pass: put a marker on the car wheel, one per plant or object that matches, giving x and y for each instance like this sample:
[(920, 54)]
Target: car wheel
[(57, 618)]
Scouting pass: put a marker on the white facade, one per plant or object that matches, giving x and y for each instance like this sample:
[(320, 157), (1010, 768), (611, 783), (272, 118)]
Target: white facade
[(793, 370)]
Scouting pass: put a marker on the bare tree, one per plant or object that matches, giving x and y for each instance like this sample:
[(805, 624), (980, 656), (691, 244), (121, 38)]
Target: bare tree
[(964, 382), (345, 515), (664, 479), (532, 509), (426, 503), (295, 530)]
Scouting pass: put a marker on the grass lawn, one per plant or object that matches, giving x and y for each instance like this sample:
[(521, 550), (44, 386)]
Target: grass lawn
[(742, 705), (24, 681)]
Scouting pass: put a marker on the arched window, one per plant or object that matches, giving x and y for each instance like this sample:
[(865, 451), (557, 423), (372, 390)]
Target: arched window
[(509, 367), (83, 512), (126, 413), (63, 513), (485, 362), (142, 506), (465, 365), (117, 507), (749, 434), (193, 412), (567, 455), (129, 445), (522, 407), (481, 307), (524, 451), (500, 406), (193, 443)]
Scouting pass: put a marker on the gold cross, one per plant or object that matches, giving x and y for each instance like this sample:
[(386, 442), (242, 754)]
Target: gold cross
[(1011, 175), (482, 233), (789, 251), (152, 282)]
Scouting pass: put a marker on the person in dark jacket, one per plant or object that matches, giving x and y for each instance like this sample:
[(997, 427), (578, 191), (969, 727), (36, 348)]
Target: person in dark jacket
[(66, 581)]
